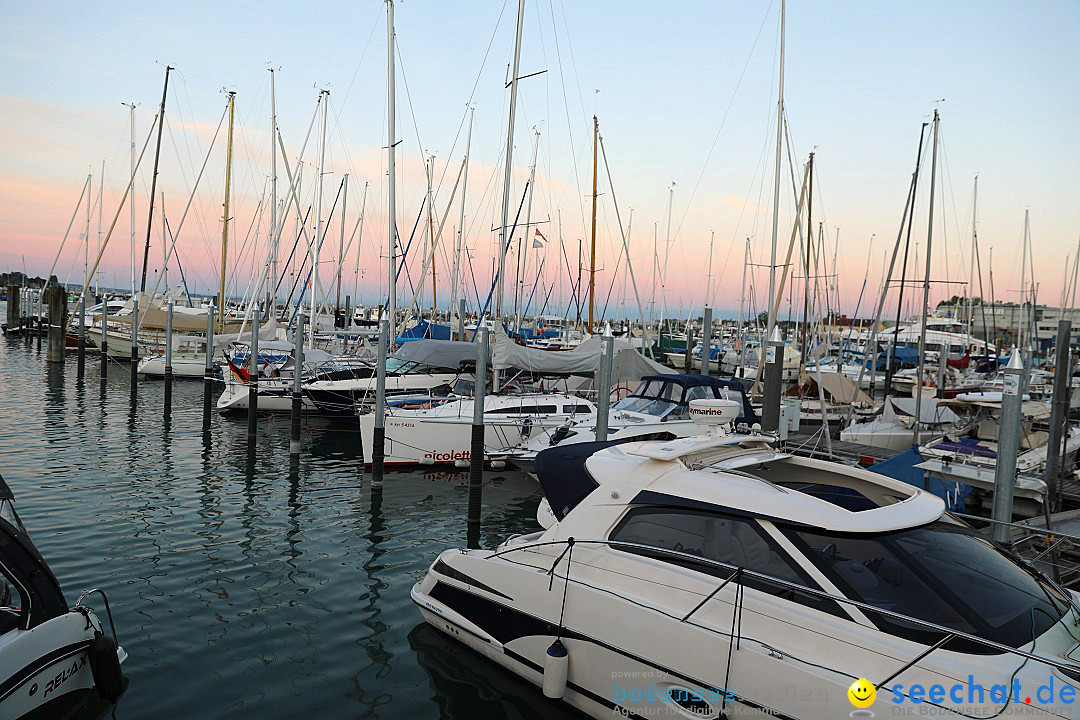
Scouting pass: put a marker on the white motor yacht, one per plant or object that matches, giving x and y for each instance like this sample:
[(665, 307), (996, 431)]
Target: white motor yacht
[(441, 434), (55, 660), (714, 576), (658, 409)]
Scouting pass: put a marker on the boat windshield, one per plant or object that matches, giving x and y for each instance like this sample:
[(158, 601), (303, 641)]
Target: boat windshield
[(939, 573), (651, 397), (411, 367)]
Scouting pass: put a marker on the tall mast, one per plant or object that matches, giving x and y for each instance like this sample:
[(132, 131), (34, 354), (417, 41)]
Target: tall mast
[(274, 234), (131, 195), (655, 275), (429, 241), (592, 254), (320, 231), (708, 280), (971, 271), (742, 301), (153, 182), (926, 286), (776, 167), (225, 224), (461, 222), (359, 244), (86, 236), (667, 255), (508, 166), (341, 245), (100, 199), (809, 239), (526, 240), (391, 171)]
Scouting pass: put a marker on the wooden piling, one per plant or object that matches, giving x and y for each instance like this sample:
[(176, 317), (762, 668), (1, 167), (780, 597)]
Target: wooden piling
[(168, 360), (297, 398), (56, 297), (208, 372)]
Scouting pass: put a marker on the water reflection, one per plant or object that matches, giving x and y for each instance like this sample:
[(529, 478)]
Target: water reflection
[(466, 686), (242, 585)]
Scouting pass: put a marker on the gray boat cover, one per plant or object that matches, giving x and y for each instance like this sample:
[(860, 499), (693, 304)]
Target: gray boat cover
[(628, 365), (438, 353)]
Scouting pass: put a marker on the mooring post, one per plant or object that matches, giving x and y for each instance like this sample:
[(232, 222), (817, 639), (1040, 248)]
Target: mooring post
[(347, 319), (943, 361), (135, 333), (603, 384), (688, 357), (208, 373), (39, 317), (168, 359), (104, 338), (774, 371), (461, 319), (378, 435), (1059, 414), (1008, 444), (297, 398), (253, 370), (82, 336), (56, 297), (706, 342), (476, 445), (12, 307)]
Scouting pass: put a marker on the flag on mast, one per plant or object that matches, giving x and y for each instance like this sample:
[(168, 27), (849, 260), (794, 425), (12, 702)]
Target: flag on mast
[(538, 243)]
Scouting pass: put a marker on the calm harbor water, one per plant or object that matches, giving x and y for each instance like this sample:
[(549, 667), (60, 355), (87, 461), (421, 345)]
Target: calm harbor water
[(247, 590)]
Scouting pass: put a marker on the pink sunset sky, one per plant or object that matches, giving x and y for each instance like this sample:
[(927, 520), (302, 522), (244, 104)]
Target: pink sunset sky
[(684, 96)]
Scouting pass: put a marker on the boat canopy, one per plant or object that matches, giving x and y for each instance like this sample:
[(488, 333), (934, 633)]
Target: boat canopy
[(438, 353), (628, 365), (21, 565)]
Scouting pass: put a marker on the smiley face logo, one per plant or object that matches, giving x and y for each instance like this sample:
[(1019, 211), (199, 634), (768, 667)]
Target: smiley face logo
[(862, 693)]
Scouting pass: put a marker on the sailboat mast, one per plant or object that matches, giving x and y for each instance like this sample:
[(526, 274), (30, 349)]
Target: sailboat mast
[(508, 166), (131, 194), (809, 239), (526, 240), (274, 234), (391, 171), (592, 254), (225, 224), (341, 246), (971, 270), (359, 244), (667, 255), (86, 236), (461, 222), (429, 240), (926, 287), (153, 181), (776, 168), (742, 300), (320, 231), (100, 199)]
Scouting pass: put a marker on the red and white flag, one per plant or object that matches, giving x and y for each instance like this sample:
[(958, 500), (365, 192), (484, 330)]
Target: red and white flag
[(537, 243)]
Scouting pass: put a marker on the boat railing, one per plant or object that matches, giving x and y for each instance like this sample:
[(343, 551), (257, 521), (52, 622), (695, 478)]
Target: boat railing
[(735, 574)]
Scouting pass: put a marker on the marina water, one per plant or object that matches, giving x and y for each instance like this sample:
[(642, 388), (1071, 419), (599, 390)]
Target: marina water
[(247, 590)]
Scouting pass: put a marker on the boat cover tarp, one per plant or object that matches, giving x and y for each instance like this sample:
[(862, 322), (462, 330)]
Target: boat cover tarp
[(902, 467), (931, 413), (424, 330), (438, 353), (562, 474), (837, 388), (628, 365), (267, 332)]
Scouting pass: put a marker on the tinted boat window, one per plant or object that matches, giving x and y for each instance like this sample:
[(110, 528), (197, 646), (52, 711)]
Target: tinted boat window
[(733, 541), (940, 574)]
